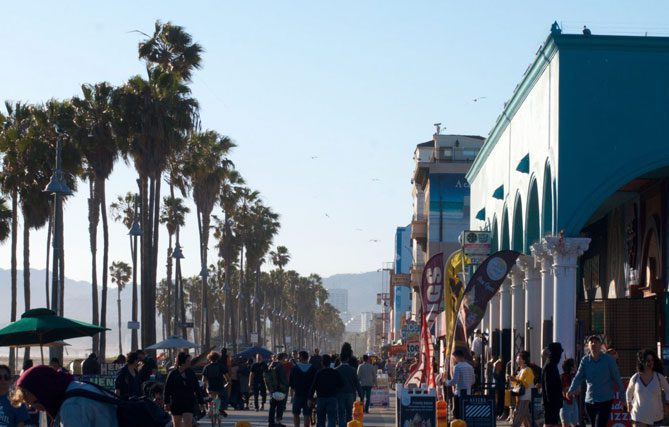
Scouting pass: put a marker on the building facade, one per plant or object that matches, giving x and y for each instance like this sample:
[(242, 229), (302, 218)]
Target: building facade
[(574, 176), (440, 200), (338, 298)]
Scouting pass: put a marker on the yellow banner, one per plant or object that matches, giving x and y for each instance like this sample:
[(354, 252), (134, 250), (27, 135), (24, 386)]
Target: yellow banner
[(454, 291)]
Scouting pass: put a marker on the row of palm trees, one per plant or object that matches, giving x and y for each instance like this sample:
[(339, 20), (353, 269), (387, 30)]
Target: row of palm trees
[(151, 121)]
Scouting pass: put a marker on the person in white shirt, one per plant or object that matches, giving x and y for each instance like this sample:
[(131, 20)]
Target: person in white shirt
[(462, 381), (644, 392), (477, 343)]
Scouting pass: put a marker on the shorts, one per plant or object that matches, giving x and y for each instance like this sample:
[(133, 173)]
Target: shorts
[(551, 414), (301, 403), (569, 412), (181, 408)]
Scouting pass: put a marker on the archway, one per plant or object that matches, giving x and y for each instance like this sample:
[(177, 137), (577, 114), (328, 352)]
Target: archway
[(494, 235), (517, 240), (504, 241), (547, 217), (533, 229)]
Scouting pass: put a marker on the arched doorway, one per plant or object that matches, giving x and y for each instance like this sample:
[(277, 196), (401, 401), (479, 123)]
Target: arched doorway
[(533, 229), (517, 240), (494, 237), (504, 241), (547, 217)]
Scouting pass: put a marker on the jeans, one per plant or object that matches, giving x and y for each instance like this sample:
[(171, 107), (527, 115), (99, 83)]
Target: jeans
[(326, 406), (276, 408), (259, 389), (345, 407), (599, 413), (367, 395)]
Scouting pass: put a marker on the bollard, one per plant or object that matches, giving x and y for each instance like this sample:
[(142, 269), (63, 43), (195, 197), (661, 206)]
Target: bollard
[(442, 413), (358, 411), (458, 423)]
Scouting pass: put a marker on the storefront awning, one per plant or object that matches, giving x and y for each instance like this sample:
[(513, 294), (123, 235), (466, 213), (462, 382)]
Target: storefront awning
[(524, 164), (480, 215), (499, 193)]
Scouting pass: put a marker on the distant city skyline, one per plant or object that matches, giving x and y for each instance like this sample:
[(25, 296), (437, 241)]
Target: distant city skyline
[(325, 101)]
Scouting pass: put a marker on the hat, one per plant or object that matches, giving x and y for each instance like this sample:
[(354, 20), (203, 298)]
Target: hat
[(594, 338), (555, 348)]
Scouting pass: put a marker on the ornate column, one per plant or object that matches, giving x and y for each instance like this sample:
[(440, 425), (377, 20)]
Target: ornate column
[(565, 252), (546, 263), (505, 319), (493, 326), (533, 342), (517, 311)]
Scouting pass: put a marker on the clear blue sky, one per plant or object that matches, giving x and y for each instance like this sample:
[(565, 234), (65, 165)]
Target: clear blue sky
[(356, 83)]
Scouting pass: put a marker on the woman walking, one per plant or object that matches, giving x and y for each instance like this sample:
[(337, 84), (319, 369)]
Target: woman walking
[(182, 392), (523, 383), (569, 411), (644, 392)]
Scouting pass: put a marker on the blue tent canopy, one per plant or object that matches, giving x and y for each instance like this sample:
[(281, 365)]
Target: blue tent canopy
[(251, 352)]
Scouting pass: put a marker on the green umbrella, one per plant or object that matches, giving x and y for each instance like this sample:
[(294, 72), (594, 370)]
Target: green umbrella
[(41, 326)]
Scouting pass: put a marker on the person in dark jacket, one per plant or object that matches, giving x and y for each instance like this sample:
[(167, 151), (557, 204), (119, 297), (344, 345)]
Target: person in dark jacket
[(182, 392), (301, 378), (326, 384), (551, 386), (278, 389), (499, 383), (316, 360), (127, 382), (346, 393), (91, 365)]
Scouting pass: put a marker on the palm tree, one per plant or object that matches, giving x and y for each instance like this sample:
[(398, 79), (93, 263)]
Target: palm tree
[(5, 220), (120, 274), (280, 258), (206, 164), (94, 117)]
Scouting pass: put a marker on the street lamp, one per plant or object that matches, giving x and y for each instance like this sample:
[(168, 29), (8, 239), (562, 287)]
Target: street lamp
[(177, 255), (134, 233)]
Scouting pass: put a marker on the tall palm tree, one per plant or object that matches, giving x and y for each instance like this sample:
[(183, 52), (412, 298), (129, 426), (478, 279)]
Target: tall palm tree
[(13, 131), (5, 220), (280, 258), (206, 165), (120, 273), (94, 117)]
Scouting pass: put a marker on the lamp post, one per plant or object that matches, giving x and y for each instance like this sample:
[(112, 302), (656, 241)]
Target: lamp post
[(134, 233), (58, 187), (178, 255)]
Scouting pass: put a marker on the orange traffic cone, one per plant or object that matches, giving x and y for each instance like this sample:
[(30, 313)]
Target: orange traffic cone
[(442, 413), (358, 411)]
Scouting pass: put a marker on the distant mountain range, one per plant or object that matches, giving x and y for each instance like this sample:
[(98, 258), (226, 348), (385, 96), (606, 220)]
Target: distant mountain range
[(362, 288)]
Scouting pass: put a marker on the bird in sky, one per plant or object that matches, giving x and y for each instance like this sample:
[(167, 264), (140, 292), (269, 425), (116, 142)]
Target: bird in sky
[(480, 97), (374, 240), (358, 229), (376, 179), (326, 214), (314, 157)]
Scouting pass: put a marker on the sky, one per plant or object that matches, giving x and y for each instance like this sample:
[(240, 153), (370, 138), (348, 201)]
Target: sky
[(326, 101)]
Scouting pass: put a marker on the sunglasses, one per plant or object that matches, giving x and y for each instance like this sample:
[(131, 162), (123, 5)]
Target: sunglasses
[(5, 377)]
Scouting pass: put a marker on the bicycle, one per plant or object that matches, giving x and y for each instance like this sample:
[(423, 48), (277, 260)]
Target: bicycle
[(212, 409)]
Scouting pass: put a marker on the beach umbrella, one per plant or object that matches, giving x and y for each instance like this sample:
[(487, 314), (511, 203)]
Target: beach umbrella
[(40, 326), (251, 352), (171, 343), (46, 344)]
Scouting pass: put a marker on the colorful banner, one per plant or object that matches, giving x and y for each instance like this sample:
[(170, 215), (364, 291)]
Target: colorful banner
[(431, 290), (423, 373), (483, 285), (453, 293)]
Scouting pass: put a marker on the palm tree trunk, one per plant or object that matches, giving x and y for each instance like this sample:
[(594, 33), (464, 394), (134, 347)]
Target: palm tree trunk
[(14, 233), (145, 257), (26, 273), (118, 307), (93, 218), (48, 252), (102, 198), (155, 229), (168, 310), (133, 334)]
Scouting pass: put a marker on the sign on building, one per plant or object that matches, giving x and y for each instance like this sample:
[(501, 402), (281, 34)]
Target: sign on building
[(478, 410), (476, 245)]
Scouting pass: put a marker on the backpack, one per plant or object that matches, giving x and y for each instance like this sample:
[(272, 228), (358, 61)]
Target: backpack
[(214, 376), (135, 412), (271, 378)]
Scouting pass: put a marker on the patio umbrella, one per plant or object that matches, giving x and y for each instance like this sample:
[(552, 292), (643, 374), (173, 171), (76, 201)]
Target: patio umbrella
[(46, 344), (41, 325), (171, 342), (250, 353)]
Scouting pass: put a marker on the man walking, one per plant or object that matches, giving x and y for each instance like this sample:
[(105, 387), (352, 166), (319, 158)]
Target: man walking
[(256, 382), (326, 383), (462, 381), (316, 360), (346, 393), (367, 376), (301, 378), (277, 385), (600, 372)]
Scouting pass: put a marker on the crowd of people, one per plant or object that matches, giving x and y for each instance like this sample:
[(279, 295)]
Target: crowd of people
[(571, 393), (322, 388)]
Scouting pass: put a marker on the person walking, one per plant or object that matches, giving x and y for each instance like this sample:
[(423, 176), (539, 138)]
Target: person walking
[(182, 392), (551, 386), (325, 386), (127, 382), (301, 378), (214, 379), (316, 360), (499, 385), (645, 389), (91, 365), (10, 415), (235, 390), (44, 389), (569, 412), (346, 393), (524, 382), (462, 381), (600, 373), (244, 374), (257, 383), (367, 375), (277, 385)]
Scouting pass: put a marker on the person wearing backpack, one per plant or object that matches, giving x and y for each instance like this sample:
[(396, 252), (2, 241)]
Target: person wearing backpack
[(277, 385), (214, 378), (44, 389), (182, 392), (301, 378)]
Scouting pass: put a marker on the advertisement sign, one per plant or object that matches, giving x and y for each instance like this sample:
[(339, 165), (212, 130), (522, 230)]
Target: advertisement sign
[(380, 397), (107, 377), (397, 349), (476, 245), (416, 407), (432, 288), (478, 410), (411, 337), (618, 416)]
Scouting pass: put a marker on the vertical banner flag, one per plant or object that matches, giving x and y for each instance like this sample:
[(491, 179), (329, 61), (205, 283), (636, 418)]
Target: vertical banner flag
[(423, 373), (454, 290), (483, 285), (431, 289)]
